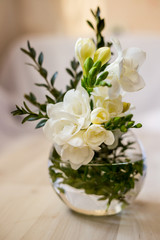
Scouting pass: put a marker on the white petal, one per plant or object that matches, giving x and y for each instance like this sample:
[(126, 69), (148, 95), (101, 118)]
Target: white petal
[(132, 82), (136, 55), (77, 156), (47, 130), (116, 44), (58, 148), (76, 102), (110, 138), (115, 67), (117, 134), (115, 90), (52, 108), (77, 140)]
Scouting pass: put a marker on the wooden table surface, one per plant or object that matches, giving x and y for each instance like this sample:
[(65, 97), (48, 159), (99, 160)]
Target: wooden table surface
[(30, 209)]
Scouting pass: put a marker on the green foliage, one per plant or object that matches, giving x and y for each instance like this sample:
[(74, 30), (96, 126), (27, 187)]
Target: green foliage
[(107, 176), (100, 24), (38, 66), (74, 74), (31, 116), (122, 123), (98, 27), (55, 94)]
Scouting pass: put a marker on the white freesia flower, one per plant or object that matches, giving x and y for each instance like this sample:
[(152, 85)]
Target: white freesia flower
[(77, 140), (100, 94), (101, 100), (52, 109), (99, 115), (114, 106), (130, 79), (77, 102), (61, 128), (123, 72), (95, 135), (77, 156), (115, 69), (68, 117)]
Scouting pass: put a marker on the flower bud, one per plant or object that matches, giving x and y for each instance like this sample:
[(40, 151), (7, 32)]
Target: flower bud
[(102, 54), (88, 65), (84, 48)]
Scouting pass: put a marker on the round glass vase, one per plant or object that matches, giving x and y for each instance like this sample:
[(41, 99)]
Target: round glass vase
[(106, 185)]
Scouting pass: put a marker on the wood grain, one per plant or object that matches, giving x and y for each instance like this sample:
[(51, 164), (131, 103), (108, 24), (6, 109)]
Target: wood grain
[(31, 210)]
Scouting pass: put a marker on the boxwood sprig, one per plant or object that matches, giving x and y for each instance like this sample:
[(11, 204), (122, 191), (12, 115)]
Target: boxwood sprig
[(98, 28), (30, 115), (56, 95), (38, 66), (74, 74)]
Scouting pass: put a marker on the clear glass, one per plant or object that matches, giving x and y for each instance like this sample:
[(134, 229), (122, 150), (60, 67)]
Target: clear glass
[(101, 189)]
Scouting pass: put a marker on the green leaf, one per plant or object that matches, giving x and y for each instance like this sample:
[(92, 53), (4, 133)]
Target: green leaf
[(30, 117), (101, 25), (25, 51), (103, 67), (32, 65), (90, 24), (98, 12), (43, 107), (41, 123), (40, 59), (93, 13), (102, 77), (28, 45), (53, 78), (79, 75), (92, 76), (41, 85), (33, 53), (74, 64), (43, 72), (70, 72), (31, 97), (88, 65), (97, 64), (18, 111), (33, 118), (28, 109), (50, 100)]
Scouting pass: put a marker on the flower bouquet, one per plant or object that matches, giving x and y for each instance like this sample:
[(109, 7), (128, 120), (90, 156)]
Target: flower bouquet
[(96, 164)]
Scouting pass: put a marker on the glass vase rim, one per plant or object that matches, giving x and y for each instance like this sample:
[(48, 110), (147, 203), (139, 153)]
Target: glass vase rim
[(143, 158)]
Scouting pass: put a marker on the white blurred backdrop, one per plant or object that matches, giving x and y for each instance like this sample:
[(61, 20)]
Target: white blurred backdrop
[(53, 27)]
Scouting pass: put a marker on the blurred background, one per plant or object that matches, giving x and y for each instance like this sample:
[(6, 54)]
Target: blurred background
[(67, 17), (53, 26)]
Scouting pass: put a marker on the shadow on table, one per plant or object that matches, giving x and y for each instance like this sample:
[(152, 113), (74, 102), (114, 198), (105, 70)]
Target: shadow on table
[(142, 218)]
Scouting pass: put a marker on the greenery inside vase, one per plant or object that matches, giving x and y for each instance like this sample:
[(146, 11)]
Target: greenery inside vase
[(105, 186)]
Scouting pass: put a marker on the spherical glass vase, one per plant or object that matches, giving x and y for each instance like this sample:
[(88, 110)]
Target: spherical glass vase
[(105, 186)]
